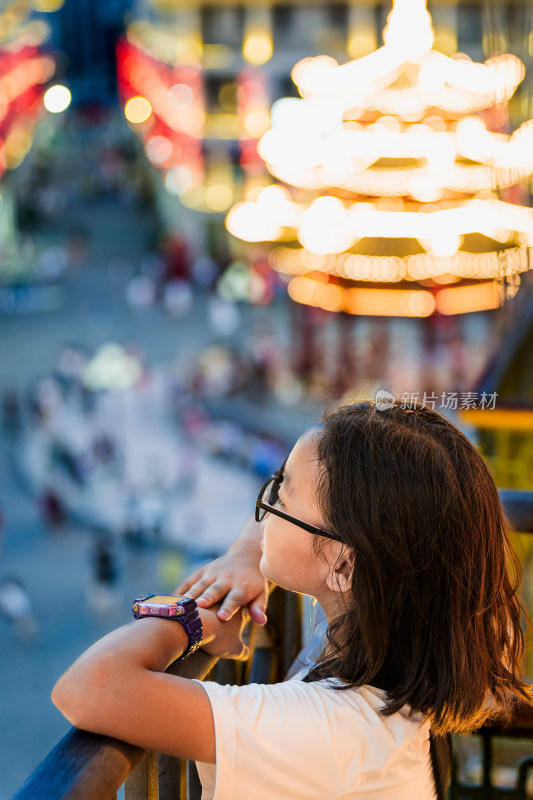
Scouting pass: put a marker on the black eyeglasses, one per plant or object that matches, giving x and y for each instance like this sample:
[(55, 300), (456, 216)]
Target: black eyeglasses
[(269, 496)]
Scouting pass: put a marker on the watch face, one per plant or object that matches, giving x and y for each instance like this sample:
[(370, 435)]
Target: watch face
[(163, 599)]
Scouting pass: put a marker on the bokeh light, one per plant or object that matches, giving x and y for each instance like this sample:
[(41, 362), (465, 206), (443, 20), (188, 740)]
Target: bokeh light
[(57, 99), (48, 5), (137, 110), (258, 47)]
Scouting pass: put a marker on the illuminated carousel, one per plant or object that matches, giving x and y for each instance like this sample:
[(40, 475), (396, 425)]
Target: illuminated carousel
[(397, 191)]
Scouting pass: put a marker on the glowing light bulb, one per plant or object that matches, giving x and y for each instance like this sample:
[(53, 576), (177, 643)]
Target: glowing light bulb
[(409, 27), (137, 110), (246, 222), (323, 229), (258, 47), (442, 244), (57, 99)]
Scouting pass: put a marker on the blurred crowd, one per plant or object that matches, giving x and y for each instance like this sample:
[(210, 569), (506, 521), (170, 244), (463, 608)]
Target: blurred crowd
[(68, 443)]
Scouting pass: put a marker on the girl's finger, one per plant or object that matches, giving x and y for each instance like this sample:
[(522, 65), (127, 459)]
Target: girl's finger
[(257, 611), (234, 600), (212, 594)]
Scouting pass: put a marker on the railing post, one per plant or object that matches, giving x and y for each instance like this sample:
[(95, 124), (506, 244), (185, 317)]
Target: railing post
[(172, 774), (193, 782), (292, 629), (142, 783), (486, 740)]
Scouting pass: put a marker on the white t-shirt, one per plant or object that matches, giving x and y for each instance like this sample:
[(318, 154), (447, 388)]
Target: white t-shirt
[(307, 741)]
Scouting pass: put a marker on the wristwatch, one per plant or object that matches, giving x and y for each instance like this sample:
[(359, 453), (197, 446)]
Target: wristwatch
[(180, 608)]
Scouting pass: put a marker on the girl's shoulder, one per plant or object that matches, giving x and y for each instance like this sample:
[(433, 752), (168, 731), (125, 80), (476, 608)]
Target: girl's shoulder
[(356, 708), (367, 700), (359, 696)]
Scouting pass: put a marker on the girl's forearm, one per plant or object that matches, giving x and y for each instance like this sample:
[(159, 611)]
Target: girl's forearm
[(148, 644), (119, 659)]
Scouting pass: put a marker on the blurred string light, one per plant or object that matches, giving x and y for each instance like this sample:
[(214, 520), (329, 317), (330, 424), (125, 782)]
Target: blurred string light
[(312, 290), (24, 72), (396, 146), (161, 85), (164, 103)]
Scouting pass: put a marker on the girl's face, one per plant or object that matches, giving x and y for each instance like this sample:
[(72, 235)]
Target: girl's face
[(288, 556)]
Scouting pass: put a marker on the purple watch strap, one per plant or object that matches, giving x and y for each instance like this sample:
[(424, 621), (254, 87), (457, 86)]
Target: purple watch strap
[(189, 619), (193, 629)]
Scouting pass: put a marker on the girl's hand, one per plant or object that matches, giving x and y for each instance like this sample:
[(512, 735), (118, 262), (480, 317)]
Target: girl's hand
[(234, 579), (224, 639)]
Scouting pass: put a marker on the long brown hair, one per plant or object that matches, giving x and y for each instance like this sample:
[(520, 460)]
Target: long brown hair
[(434, 604)]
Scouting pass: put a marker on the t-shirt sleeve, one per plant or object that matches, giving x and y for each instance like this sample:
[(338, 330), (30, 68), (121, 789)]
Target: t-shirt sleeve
[(279, 741)]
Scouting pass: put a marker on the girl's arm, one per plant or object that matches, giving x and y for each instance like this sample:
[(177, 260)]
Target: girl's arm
[(118, 687), (234, 578)]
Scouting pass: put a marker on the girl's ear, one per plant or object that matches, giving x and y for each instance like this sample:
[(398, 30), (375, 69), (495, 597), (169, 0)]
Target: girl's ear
[(340, 575)]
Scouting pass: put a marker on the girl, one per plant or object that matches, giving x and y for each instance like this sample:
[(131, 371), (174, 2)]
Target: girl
[(391, 520)]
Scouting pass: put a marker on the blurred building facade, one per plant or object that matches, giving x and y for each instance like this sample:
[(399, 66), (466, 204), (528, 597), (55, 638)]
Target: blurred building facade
[(26, 68), (243, 53)]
